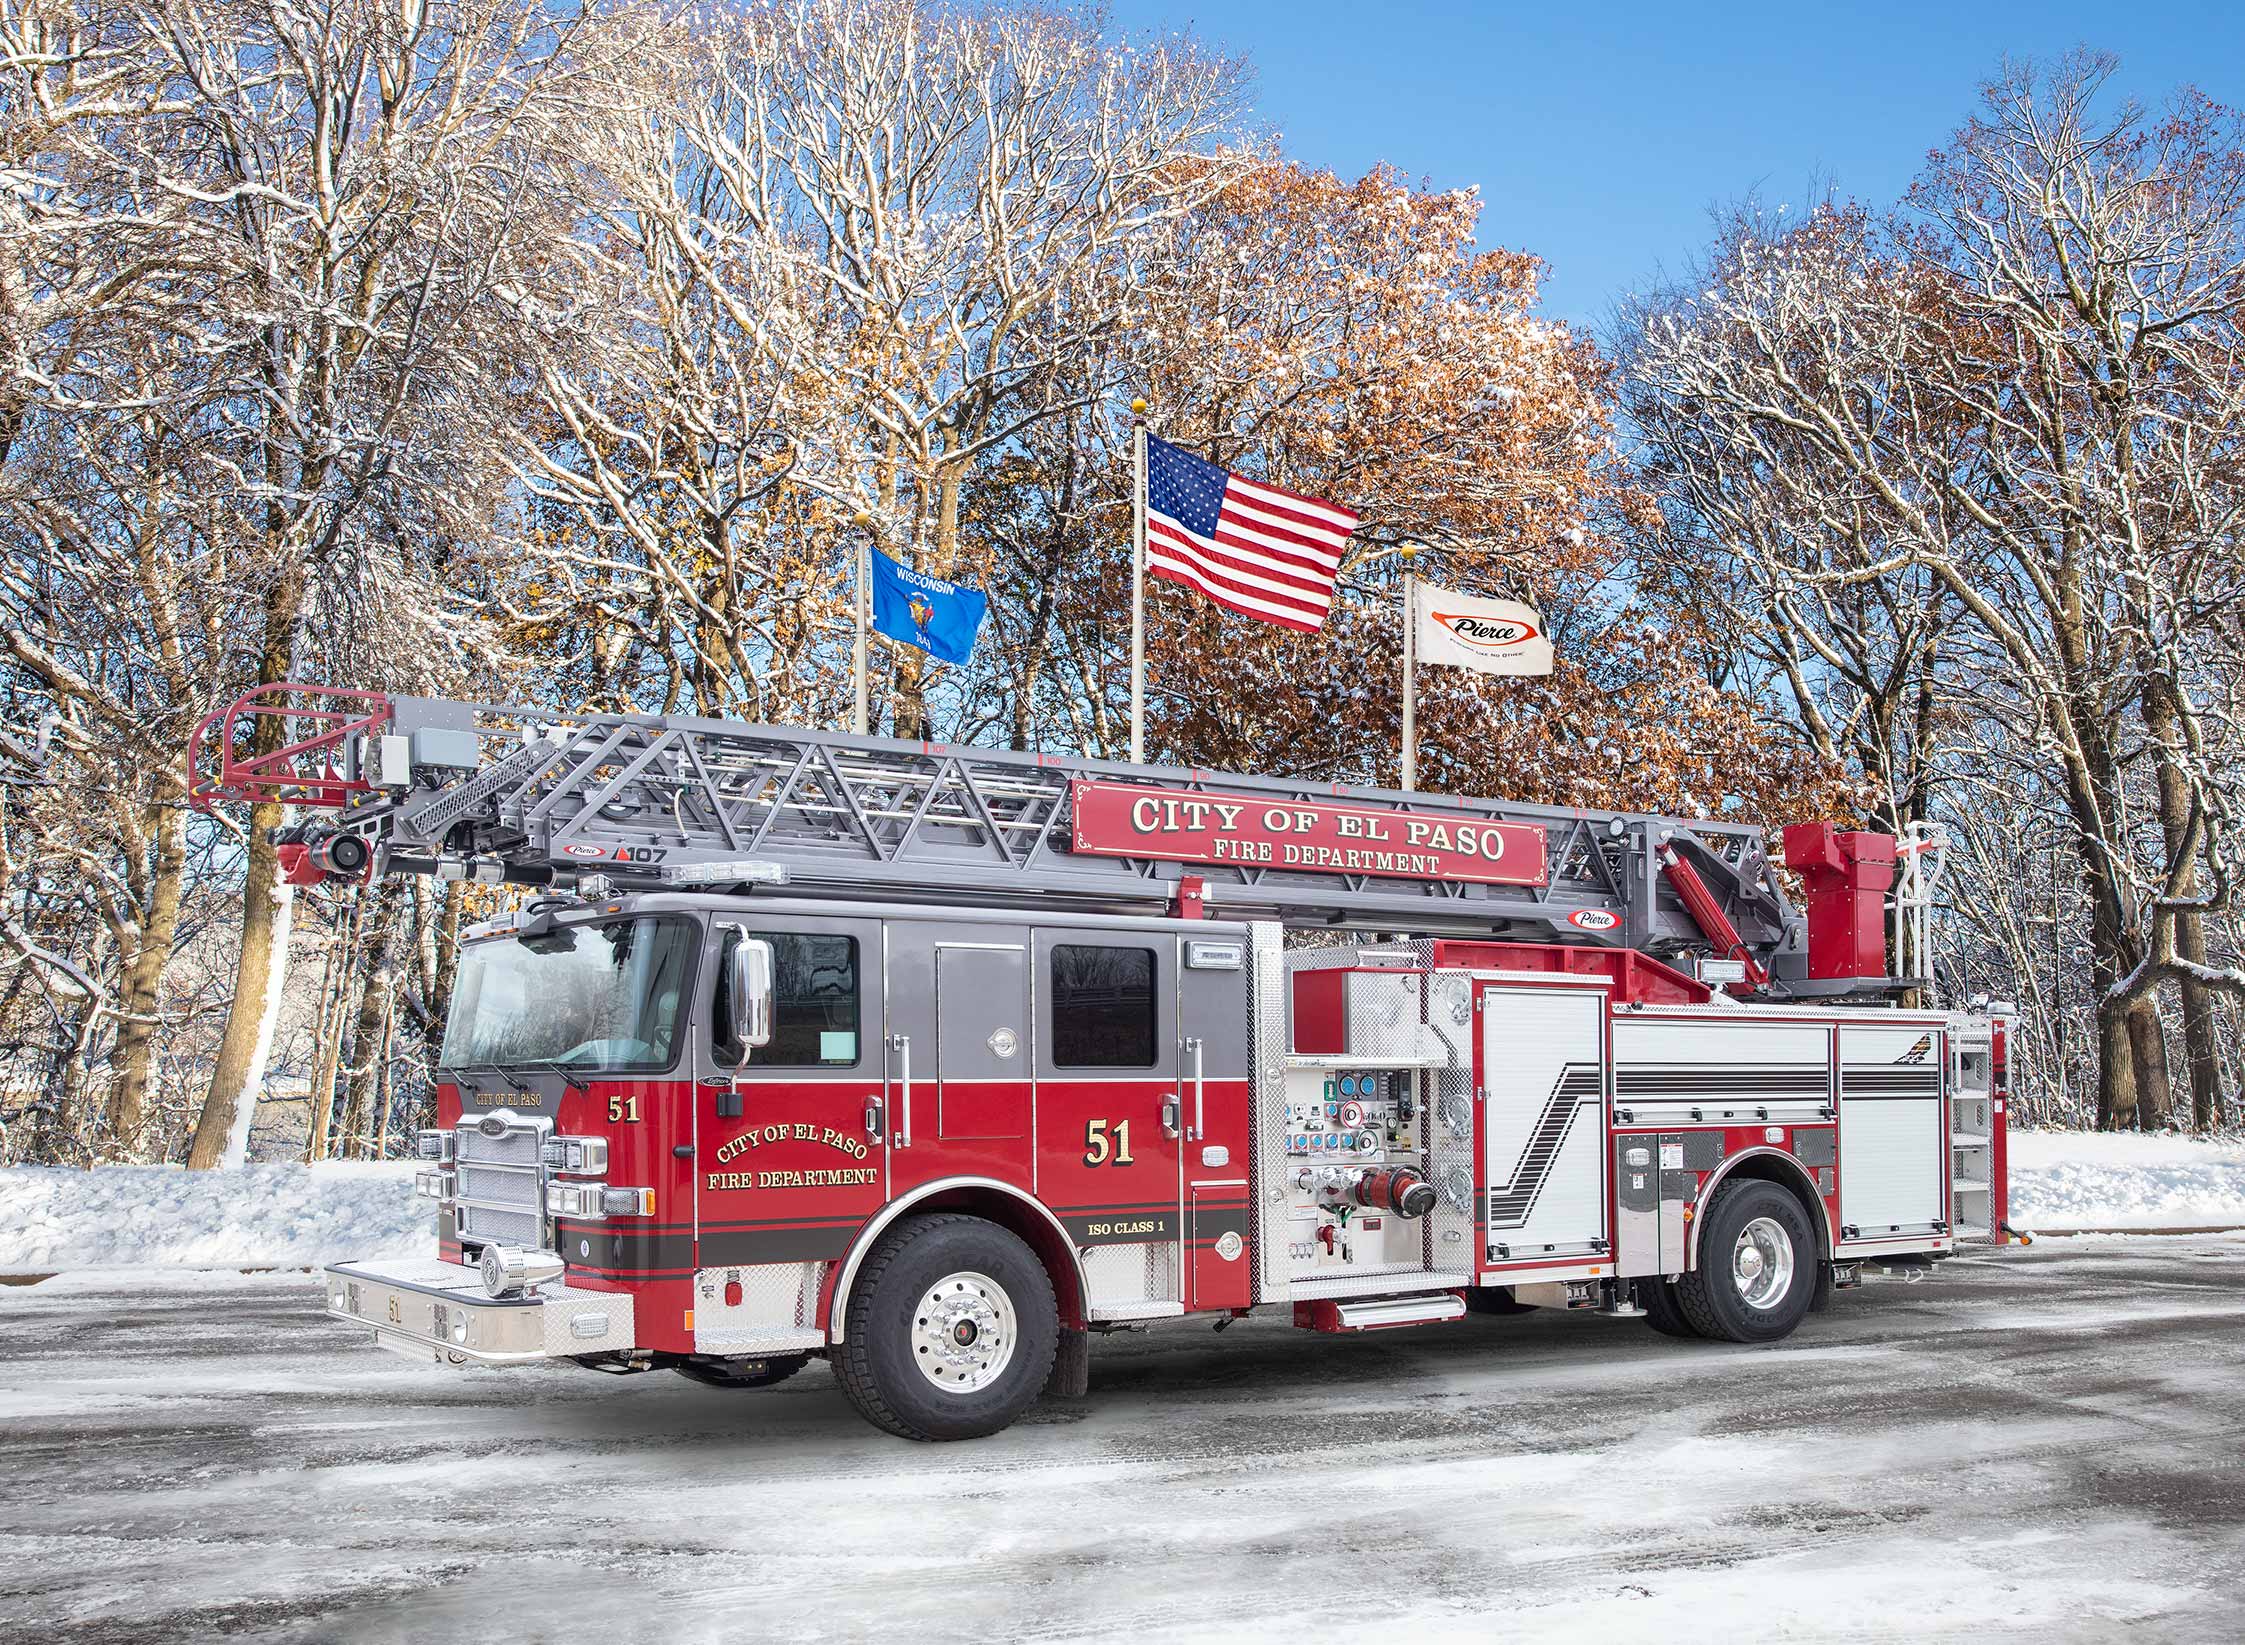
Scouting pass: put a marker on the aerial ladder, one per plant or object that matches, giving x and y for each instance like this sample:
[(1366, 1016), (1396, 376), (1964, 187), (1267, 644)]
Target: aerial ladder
[(383, 783)]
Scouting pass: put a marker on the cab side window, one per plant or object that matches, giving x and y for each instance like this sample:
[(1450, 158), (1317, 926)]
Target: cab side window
[(1102, 1007), (814, 1003)]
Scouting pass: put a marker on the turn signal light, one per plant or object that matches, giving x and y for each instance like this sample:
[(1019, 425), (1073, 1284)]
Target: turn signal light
[(592, 1201)]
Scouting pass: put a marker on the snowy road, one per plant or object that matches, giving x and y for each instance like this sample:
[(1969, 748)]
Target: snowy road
[(2050, 1444)]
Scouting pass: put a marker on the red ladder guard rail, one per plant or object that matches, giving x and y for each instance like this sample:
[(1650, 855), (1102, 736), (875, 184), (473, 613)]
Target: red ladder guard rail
[(305, 770)]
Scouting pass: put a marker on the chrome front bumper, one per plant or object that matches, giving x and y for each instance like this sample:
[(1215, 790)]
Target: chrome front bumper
[(438, 1312)]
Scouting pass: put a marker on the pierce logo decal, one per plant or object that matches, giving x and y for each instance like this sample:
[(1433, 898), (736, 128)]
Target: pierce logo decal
[(1487, 633)]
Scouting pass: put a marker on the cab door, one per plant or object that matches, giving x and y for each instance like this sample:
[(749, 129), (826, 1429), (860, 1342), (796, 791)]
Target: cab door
[(959, 1059), (790, 1155)]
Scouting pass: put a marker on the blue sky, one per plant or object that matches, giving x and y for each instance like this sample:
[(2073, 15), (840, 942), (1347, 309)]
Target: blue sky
[(1599, 137)]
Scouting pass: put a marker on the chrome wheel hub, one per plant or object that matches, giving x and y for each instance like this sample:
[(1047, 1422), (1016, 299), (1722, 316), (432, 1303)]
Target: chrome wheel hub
[(1762, 1263), (963, 1332)]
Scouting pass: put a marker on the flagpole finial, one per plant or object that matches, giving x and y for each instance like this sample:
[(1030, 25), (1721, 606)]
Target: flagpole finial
[(862, 520), (1409, 551), (1138, 408)]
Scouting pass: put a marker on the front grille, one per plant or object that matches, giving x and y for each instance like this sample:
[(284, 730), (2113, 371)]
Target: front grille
[(501, 1183)]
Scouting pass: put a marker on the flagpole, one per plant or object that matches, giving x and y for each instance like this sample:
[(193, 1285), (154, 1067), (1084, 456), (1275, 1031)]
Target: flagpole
[(1138, 582), (1410, 553), (863, 570)]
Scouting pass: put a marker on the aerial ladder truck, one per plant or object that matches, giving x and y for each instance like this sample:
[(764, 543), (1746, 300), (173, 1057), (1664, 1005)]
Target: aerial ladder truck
[(932, 1060)]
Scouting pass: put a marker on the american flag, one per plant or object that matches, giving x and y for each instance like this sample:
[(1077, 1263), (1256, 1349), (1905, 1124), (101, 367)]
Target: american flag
[(1253, 548)]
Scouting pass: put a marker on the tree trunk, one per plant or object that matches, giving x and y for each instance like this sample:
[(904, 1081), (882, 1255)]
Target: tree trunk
[(327, 1047), (2116, 1078), (268, 904), (134, 1055), (2201, 1043), (2202, 1046), (2116, 1072), (448, 960), (382, 1091), (2147, 1040), (55, 1136), (374, 1009)]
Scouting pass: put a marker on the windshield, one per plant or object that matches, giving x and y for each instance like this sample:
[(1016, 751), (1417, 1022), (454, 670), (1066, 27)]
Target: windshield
[(592, 997)]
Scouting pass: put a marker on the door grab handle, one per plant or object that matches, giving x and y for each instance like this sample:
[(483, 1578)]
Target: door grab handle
[(901, 1044), (1200, 1093), (873, 1116)]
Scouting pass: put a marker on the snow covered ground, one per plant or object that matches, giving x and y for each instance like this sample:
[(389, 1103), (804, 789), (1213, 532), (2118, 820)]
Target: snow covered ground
[(2074, 1179), (259, 1216), (2032, 1444), (291, 1216)]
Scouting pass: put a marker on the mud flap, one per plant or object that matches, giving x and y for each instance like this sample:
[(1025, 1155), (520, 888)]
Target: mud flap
[(1821, 1298), (1071, 1366)]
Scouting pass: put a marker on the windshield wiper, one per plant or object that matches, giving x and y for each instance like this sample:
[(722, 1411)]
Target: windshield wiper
[(483, 1068), (577, 1081)]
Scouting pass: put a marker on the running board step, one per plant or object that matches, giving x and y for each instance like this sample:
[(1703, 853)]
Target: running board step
[(1379, 1313)]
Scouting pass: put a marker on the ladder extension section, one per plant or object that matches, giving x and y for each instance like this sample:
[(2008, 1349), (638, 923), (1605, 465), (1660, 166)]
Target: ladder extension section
[(536, 797)]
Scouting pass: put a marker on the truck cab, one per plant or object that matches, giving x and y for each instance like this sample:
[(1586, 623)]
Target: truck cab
[(672, 1127)]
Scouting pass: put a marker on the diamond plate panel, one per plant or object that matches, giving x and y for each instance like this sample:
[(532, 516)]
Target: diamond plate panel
[(1139, 1271), (586, 1322), (776, 1297)]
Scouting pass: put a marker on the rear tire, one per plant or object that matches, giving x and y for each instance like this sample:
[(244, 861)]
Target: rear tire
[(950, 1332), (1757, 1265), (1663, 1312), (762, 1372)]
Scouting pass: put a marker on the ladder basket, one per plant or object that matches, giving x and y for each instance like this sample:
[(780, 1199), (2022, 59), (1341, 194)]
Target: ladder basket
[(285, 742)]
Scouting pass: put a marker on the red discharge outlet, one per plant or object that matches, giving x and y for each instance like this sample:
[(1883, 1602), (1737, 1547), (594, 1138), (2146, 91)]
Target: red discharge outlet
[(1400, 1189)]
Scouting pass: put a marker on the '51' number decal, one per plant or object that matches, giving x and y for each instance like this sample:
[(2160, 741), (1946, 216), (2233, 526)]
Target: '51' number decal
[(1107, 1142)]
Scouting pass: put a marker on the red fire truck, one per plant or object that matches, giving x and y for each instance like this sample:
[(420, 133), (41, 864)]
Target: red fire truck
[(932, 1061)]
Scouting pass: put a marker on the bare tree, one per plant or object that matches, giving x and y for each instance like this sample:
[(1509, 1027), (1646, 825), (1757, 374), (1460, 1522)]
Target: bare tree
[(2028, 388), (336, 200)]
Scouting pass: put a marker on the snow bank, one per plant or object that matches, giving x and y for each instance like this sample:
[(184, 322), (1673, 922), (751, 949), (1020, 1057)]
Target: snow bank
[(256, 1216), (2090, 1179), (296, 1216)]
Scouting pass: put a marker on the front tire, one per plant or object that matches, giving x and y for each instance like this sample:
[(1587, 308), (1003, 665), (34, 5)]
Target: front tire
[(950, 1332), (1757, 1266)]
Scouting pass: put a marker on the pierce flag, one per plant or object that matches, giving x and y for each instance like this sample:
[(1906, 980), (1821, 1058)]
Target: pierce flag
[(1491, 636), (938, 617)]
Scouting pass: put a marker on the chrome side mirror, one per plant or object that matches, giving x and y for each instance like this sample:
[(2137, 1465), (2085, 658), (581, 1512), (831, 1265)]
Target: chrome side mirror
[(750, 986)]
